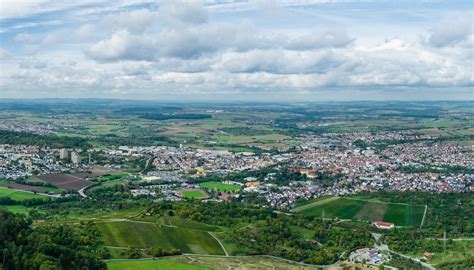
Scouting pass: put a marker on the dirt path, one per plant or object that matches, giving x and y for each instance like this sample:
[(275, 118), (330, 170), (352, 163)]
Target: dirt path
[(220, 243)]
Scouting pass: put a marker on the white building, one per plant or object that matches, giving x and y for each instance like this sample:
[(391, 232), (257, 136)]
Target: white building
[(63, 153), (75, 158)]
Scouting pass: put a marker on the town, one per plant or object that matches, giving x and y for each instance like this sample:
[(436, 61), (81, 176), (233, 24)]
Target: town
[(423, 165)]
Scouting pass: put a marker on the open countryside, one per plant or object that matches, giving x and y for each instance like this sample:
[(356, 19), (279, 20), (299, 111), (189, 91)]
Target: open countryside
[(236, 135)]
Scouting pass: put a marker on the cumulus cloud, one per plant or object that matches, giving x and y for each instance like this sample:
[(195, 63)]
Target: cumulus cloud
[(193, 12), (174, 49), (331, 38), (194, 41), (135, 21), (279, 61), (22, 37), (122, 46), (4, 54), (34, 64), (452, 31)]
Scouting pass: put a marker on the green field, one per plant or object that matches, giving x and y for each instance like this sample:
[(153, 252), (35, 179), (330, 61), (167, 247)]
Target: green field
[(348, 208), (219, 186), (17, 209), (196, 262), (19, 195), (145, 235), (193, 194), (112, 177), (153, 265)]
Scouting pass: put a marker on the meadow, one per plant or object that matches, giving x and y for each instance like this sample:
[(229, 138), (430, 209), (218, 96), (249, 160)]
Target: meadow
[(357, 209), (221, 187), (19, 195), (153, 265), (17, 209)]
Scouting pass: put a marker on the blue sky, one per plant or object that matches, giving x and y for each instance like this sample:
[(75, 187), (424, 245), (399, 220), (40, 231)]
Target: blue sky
[(237, 50)]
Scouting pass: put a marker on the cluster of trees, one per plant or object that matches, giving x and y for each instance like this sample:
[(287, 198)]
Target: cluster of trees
[(245, 131), (410, 240), (222, 214), (295, 237), (13, 137), (160, 116), (136, 253), (134, 139), (460, 264), (58, 246), (403, 263), (282, 237), (281, 176)]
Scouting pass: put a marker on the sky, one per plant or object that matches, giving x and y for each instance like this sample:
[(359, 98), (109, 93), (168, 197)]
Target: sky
[(310, 50)]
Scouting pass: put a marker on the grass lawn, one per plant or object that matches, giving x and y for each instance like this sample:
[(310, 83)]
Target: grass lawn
[(357, 209), (154, 265), (219, 186), (145, 235), (19, 195), (194, 194), (113, 177)]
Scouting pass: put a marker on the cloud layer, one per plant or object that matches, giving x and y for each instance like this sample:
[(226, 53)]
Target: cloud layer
[(214, 50)]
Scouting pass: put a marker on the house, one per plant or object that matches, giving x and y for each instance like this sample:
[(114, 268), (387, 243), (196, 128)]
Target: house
[(308, 172), (427, 255), (313, 242), (383, 225), (252, 184)]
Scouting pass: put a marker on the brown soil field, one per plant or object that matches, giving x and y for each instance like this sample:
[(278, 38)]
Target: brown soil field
[(65, 181)]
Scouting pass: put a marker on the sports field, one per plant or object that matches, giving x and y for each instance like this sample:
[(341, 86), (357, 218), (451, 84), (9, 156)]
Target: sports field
[(348, 208), (193, 194), (153, 265), (219, 186), (145, 235), (19, 195)]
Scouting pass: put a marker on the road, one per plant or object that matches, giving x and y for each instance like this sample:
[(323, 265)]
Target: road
[(81, 192)]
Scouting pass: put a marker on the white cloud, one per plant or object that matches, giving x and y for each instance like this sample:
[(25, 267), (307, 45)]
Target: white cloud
[(135, 21), (173, 13), (122, 46), (22, 37), (228, 49), (4, 54), (453, 30)]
